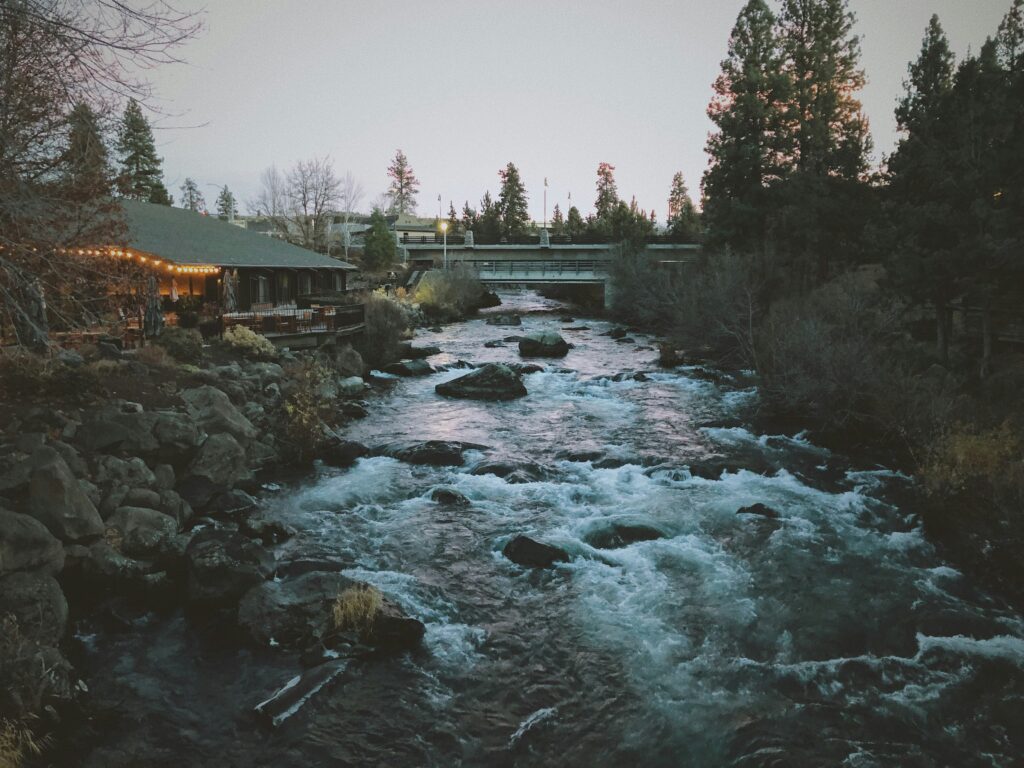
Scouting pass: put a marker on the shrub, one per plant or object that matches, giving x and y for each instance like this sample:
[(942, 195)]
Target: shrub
[(386, 325), (25, 374), (183, 344), (355, 610), (155, 355), (966, 457), (449, 294), (305, 408), (249, 343)]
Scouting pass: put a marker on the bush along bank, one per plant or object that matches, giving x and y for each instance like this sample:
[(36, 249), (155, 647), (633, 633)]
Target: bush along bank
[(130, 476), (843, 361)]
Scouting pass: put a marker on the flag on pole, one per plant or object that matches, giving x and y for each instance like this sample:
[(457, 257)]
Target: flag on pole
[(545, 181)]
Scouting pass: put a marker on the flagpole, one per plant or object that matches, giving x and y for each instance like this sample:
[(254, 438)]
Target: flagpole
[(545, 202)]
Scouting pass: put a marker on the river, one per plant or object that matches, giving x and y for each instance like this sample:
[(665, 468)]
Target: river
[(832, 635)]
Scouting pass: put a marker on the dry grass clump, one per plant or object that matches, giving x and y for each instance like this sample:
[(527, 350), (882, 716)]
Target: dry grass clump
[(18, 743), (356, 608), (155, 355), (964, 456)]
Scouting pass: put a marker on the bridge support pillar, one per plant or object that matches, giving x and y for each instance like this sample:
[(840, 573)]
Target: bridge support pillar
[(608, 293)]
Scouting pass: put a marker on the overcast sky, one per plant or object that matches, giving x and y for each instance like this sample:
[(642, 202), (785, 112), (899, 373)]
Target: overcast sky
[(464, 87)]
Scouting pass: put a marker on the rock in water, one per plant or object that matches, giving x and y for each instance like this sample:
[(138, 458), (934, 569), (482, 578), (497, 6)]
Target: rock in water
[(222, 566), (622, 535), (758, 509), (547, 344), (343, 453), (435, 453), (409, 368), (504, 320), (491, 382), (523, 550), (449, 497)]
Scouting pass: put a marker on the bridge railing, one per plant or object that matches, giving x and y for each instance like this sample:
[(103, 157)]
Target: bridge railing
[(583, 238), (561, 267)]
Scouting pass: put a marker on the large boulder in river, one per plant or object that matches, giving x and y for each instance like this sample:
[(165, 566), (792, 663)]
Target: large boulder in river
[(146, 533), (490, 382), (26, 545), (544, 344), (223, 565), (409, 368), (621, 534), (436, 453), (58, 501), (343, 453), (523, 550), (319, 608)]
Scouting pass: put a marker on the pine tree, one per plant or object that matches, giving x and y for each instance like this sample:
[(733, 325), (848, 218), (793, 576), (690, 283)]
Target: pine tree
[(404, 185), (379, 247), (684, 222), (86, 161), (227, 206), (512, 203), (574, 224), (607, 193), (454, 223), (488, 224), (828, 130), (191, 197), (557, 221), (747, 110), (469, 218), (141, 176)]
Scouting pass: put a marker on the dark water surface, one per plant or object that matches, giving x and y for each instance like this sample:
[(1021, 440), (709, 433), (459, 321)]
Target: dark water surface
[(833, 635)]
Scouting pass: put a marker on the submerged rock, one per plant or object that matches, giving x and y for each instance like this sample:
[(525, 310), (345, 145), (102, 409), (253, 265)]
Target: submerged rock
[(418, 353), (758, 509), (491, 382), (546, 344), (505, 320), (513, 472), (436, 453), (449, 497), (619, 535), (523, 550)]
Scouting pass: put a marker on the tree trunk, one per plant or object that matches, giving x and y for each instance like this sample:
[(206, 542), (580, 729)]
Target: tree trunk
[(942, 332), (986, 342)]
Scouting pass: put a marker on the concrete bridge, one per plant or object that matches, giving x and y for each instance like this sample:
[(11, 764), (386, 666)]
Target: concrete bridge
[(537, 264)]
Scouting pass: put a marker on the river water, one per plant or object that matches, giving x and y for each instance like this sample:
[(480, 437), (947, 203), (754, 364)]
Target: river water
[(832, 635)]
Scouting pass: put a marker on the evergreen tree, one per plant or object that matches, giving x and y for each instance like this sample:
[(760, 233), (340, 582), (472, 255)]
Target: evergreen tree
[(141, 175), (607, 193), (684, 222), (454, 223), (828, 130), (557, 221), (227, 206), (820, 211), (469, 218), (747, 110), (488, 224), (574, 224), (191, 197), (86, 160), (404, 186), (379, 247), (512, 203), (923, 259)]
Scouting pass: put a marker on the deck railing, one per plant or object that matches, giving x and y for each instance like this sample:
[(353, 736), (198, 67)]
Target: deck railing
[(286, 320)]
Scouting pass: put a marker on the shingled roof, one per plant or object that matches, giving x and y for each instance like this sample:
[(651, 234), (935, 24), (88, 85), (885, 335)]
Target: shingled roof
[(185, 237)]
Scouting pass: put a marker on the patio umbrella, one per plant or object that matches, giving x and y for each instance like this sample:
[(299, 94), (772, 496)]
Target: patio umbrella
[(174, 289), (229, 294), (153, 321)]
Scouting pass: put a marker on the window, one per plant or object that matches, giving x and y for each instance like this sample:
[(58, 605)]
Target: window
[(305, 284)]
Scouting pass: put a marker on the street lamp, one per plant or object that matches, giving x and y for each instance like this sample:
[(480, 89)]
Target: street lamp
[(444, 231)]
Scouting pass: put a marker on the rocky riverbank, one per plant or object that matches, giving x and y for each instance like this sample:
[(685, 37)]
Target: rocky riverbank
[(145, 493)]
